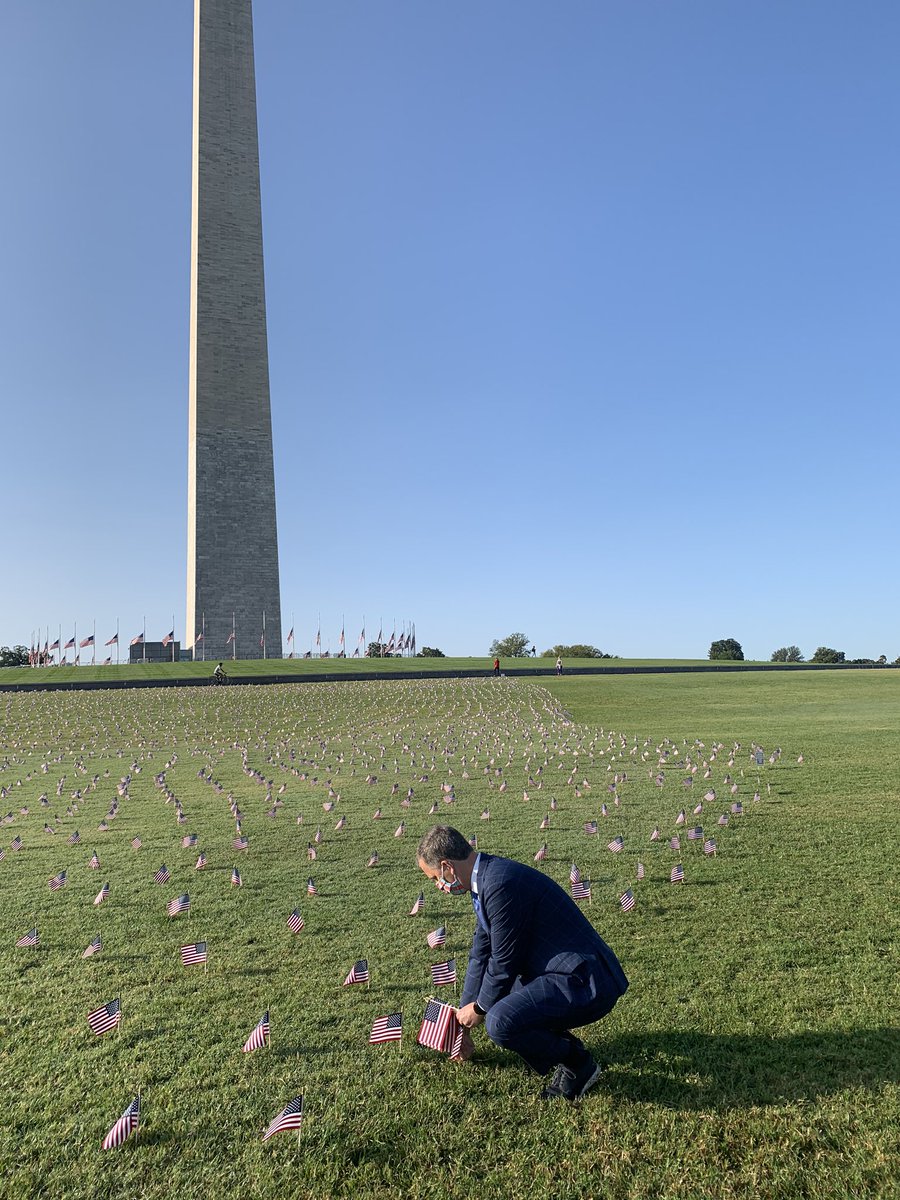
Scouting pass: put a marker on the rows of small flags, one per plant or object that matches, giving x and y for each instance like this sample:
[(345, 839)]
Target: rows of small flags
[(439, 1029)]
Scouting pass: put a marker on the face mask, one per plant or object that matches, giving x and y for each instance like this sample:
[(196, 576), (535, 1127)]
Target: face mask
[(452, 887)]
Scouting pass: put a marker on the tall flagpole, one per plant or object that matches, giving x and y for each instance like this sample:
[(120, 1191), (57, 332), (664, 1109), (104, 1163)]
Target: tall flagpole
[(233, 641), (173, 637), (94, 645), (144, 641), (117, 641), (264, 633)]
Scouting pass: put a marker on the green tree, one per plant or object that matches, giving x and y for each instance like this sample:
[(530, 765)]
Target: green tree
[(727, 650), (514, 646), (578, 650), (379, 650), (430, 652), (787, 654), (824, 654), (13, 656)]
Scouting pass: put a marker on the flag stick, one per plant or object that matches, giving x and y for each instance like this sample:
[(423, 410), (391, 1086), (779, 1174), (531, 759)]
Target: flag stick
[(137, 1132)]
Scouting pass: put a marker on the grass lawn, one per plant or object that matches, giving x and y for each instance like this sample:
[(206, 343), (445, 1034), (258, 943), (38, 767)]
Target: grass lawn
[(756, 1053)]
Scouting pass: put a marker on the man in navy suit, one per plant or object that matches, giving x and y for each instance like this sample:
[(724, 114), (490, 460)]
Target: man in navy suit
[(537, 968)]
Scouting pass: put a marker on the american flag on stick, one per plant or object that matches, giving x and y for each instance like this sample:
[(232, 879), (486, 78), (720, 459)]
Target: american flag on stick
[(581, 888), (101, 895), (94, 947), (236, 880), (358, 973), (58, 881), (541, 854), (241, 842), (179, 905), (290, 1117), (677, 875), (162, 875), (107, 1017), (196, 952), (437, 937), (626, 901), (136, 843), (418, 906), (311, 889), (32, 938), (443, 973), (695, 833), (94, 864), (126, 1125), (201, 861), (709, 846), (295, 922), (189, 841), (387, 1029), (439, 1025), (616, 844), (259, 1037), (74, 838)]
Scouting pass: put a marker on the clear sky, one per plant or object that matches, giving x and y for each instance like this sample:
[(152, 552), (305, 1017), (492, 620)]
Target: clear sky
[(583, 319)]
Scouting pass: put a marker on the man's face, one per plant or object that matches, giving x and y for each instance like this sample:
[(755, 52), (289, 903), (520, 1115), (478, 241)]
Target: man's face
[(443, 876)]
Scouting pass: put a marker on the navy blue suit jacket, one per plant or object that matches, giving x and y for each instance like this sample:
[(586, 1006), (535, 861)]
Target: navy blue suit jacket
[(531, 928)]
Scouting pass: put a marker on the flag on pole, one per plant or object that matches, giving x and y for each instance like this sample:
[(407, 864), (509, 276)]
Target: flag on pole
[(101, 895), (236, 880), (126, 1125), (94, 864), (194, 953), (70, 644), (58, 881), (439, 1026), (113, 641), (259, 1036), (387, 1029), (640, 870), (179, 905), (88, 641), (107, 1017), (677, 875), (169, 638), (94, 947), (358, 973), (74, 838), (136, 844), (418, 906), (437, 937), (626, 901), (295, 922), (138, 640), (442, 973), (290, 1117), (201, 861), (709, 846), (32, 938), (581, 888), (541, 854), (616, 844), (311, 889), (160, 876)]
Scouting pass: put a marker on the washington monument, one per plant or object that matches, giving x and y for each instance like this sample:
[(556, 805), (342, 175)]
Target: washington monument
[(232, 549)]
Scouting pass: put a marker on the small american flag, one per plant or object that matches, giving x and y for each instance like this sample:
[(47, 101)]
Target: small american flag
[(94, 947), (545, 824), (179, 905), (341, 823), (107, 1017), (626, 901), (58, 881), (442, 973), (376, 816), (677, 875), (162, 875), (640, 870), (723, 820), (695, 833), (709, 846), (581, 888), (74, 838), (310, 852), (387, 1029), (616, 844), (737, 808), (259, 1036), (94, 864), (194, 953), (675, 843), (400, 830), (654, 836), (126, 1125), (290, 1117), (358, 973), (241, 842), (311, 889), (16, 844), (590, 827), (437, 937), (541, 854), (189, 841), (436, 1024), (101, 895), (32, 938), (201, 861), (679, 820), (418, 906), (236, 880), (295, 922), (373, 859), (317, 836), (136, 843)]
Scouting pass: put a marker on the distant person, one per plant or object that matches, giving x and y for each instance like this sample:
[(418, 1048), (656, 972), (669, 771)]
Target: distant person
[(219, 675), (558, 665), (496, 667), (534, 651)]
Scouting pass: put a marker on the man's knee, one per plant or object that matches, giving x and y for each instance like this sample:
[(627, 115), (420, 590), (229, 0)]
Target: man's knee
[(501, 1026)]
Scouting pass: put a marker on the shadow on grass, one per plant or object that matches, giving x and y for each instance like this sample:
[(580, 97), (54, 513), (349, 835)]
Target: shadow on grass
[(697, 1071)]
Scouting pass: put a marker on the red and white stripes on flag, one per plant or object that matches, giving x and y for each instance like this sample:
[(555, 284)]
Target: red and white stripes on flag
[(437, 937), (196, 952), (179, 905), (358, 973), (439, 1026), (126, 1125), (107, 1017), (387, 1029), (443, 973), (290, 1117), (418, 906), (295, 922), (259, 1036)]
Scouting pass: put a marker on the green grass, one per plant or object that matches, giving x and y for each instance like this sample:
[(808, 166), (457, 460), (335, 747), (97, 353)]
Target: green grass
[(755, 1053), (336, 667)]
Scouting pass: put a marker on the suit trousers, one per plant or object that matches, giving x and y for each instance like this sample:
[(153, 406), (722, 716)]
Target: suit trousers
[(534, 1019)]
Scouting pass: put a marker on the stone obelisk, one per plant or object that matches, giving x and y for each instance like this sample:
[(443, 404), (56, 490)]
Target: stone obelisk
[(232, 553)]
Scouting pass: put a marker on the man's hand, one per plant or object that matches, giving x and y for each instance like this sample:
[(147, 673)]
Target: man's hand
[(468, 1017), (466, 1048)]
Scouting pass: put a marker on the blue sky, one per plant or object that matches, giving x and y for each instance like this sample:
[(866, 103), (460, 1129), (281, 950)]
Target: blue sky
[(582, 319)]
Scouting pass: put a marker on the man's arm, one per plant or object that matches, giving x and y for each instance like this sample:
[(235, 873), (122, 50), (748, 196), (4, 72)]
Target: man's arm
[(510, 915), (478, 960)]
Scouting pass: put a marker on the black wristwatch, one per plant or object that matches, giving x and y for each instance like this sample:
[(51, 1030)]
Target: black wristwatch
[(481, 1011)]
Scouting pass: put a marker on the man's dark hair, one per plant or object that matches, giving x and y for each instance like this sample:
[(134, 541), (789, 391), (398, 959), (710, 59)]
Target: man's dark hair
[(443, 842)]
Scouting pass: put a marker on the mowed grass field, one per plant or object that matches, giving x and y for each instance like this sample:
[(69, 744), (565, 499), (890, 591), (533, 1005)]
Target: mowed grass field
[(756, 1053)]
